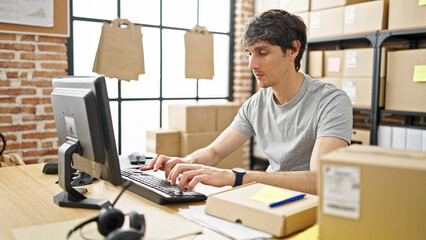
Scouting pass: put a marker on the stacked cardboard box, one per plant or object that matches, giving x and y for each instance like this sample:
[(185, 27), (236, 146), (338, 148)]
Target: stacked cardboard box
[(192, 127), (360, 136), (406, 14), (368, 192)]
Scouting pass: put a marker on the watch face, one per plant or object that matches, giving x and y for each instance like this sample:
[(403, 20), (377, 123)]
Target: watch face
[(239, 170)]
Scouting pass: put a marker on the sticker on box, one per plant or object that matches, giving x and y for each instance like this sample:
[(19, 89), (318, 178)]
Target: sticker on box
[(341, 191)]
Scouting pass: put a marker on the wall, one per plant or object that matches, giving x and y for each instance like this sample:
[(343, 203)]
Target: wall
[(27, 65)]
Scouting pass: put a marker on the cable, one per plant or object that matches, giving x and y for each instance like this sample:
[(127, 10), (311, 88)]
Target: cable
[(127, 185)]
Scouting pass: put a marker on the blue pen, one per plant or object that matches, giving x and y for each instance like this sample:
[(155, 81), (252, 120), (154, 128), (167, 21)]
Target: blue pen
[(292, 199)]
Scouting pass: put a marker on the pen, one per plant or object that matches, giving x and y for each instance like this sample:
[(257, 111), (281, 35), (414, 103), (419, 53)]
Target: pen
[(292, 199)]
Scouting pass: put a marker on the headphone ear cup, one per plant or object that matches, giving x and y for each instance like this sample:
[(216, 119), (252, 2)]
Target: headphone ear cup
[(137, 221), (109, 219)]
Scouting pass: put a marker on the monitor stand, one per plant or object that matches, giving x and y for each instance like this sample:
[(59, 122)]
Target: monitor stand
[(73, 197)]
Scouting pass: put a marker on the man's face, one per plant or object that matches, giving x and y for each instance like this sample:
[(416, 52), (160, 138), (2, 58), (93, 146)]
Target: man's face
[(268, 63)]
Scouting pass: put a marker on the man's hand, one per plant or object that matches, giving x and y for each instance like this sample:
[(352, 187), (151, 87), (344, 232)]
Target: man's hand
[(197, 173), (164, 163)]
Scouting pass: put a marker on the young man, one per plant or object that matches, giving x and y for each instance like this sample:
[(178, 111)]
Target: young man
[(297, 119)]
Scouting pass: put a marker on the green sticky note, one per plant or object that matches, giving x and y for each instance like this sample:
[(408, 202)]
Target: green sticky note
[(419, 73), (422, 2), (270, 194)]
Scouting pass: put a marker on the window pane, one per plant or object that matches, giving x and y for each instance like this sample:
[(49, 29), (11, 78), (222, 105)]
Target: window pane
[(174, 82), (137, 117), (101, 9), (141, 11), (86, 40), (148, 85), (165, 120), (180, 13), (209, 12), (218, 86)]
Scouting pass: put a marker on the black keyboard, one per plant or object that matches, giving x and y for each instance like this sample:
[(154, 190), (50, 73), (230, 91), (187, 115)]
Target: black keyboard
[(158, 190)]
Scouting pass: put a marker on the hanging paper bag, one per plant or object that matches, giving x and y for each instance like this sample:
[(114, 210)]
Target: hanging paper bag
[(120, 51), (199, 62)]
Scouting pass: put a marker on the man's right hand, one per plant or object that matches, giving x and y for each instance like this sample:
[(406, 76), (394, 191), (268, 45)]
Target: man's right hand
[(164, 163)]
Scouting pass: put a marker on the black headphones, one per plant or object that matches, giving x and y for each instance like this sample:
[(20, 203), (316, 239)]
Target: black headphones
[(110, 221)]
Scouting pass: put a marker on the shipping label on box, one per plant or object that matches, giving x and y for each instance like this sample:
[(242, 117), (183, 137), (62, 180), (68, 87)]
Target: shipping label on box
[(326, 23)]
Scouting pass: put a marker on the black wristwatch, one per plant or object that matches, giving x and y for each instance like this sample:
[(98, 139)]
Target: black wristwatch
[(239, 173)]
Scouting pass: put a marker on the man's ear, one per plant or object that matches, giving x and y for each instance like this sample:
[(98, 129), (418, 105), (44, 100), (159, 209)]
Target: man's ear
[(296, 47)]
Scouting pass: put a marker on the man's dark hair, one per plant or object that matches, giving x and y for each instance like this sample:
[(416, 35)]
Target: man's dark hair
[(278, 27)]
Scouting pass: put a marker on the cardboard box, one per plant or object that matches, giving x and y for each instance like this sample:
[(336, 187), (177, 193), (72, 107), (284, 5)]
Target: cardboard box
[(402, 93), (359, 91), (336, 81), (365, 17), (163, 141), (406, 14), (225, 114), (235, 159), (333, 63), (384, 136), (235, 205), (323, 4), (360, 136), (316, 64), (358, 62), (368, 192), (190, 142), (326, 23), (192, 118), (291, 6), (414, 139), (305, 18)]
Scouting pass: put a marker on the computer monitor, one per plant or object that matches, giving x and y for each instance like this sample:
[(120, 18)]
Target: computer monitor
[(85, 132)]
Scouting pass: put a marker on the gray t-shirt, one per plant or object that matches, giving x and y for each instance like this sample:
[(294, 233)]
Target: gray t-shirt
[(287, 133)]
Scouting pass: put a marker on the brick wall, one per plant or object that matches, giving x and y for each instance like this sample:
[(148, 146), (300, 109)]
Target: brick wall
[(244, 10), (27, 65)]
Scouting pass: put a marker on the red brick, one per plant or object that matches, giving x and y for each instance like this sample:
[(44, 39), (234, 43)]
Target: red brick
[(5, 119), (52, 48), (17, 46), (31, 161), (7, 36), (47, 91), (44, 56), (12, 74), (7, 55), (39, 84), (4, 83), (54, 65), (48, 109), (22, 145), (47, 145), (52, 39), (23, 75), (10, 64), (37, 117), (17, 91), (40, 153), (18, 109), (28, 38), (35, 100), (48, 74), (17, 128), (10, 137), (40, 135), (50, 126), (7, 99)]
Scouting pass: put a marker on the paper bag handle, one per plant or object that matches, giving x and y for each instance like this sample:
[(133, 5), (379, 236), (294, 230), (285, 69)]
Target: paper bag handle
[(199, 29), (121, 21)]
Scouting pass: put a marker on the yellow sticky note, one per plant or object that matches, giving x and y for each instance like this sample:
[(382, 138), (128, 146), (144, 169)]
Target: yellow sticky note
[(270, 195), (419, 73), (422, 2)]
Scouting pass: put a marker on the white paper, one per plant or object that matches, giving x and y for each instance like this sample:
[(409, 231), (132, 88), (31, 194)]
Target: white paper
[(384, 136), (27, 12), (351, 59), (424, 141), (414, 139), (350, 88), (350, 14), (341, 191), (233, 230), (399, 137)]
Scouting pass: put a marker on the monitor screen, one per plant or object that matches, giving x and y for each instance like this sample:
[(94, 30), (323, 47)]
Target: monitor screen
[(85, 132)]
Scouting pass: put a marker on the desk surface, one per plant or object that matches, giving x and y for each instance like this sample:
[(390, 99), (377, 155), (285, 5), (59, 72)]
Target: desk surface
[(26, 199)]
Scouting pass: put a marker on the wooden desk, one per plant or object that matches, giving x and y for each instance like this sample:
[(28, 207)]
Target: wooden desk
[(26, 199)]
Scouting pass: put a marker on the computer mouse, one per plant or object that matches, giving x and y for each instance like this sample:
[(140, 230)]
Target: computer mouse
[(137, 158)]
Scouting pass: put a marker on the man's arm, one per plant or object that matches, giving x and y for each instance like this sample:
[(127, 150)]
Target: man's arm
[(303, 181)]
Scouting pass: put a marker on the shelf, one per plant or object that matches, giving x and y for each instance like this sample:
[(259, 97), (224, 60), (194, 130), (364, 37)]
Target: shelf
[(403, 113), (366, 36)]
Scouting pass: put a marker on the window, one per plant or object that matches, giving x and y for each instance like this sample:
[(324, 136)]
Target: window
[(140, 105)]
